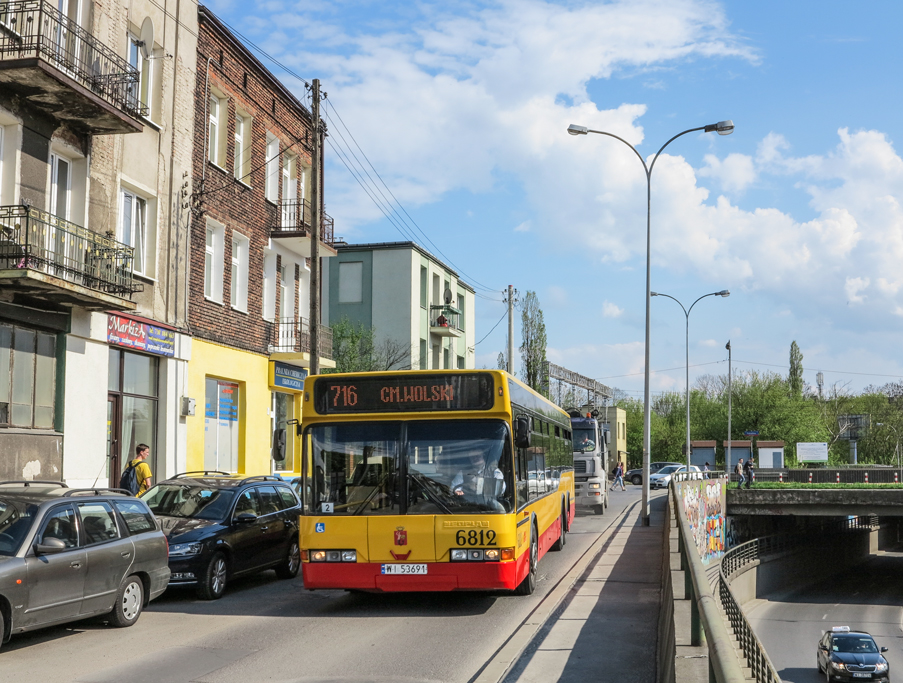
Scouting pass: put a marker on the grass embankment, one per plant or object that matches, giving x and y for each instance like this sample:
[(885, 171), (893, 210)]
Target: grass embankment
[(800, 485)]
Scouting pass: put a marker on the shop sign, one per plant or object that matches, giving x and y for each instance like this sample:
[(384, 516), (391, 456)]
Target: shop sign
[(132, 334), (288, 376)]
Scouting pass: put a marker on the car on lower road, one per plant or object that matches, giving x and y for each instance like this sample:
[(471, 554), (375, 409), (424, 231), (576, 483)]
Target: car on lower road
[(662, 478), (68, 554), (846, 655), (636, 476), (221, 526)]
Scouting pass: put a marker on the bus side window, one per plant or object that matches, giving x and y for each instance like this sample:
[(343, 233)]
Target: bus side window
[(523, 475)]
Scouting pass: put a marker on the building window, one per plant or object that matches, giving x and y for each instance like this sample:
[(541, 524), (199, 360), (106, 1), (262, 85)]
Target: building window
[(461, 365), (351, 282), (242, 147), (131, 408), (60, 186), (145, 71), (215, 136), (462, 317), (133, 228), (269, 286), (445, 359), (423, 292), (213, 262), (424, 358), (272, 169), (290, 213), (27, 377), (221, 411), (286, 292), (239, 285)]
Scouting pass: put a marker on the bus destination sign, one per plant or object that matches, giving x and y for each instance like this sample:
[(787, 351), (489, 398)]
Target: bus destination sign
[(403, 393)]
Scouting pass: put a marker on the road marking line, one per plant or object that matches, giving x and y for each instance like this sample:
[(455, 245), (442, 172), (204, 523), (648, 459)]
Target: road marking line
[(507, 655)]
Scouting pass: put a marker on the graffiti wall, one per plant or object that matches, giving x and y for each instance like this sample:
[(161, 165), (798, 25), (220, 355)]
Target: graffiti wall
[(704, 504)]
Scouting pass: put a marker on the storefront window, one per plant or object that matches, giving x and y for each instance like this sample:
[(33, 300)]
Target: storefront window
[(131, 408), (221, 425), (285, 411), (27, 377)]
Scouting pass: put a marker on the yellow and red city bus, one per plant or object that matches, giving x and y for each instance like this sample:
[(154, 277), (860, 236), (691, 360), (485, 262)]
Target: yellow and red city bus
[(431, 481)]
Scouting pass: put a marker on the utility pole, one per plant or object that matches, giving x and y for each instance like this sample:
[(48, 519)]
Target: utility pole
[(727, 464), (315, 171), (511, 293)]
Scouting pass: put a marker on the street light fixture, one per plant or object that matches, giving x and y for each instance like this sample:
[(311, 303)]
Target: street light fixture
[(723, 293), (722, 128)]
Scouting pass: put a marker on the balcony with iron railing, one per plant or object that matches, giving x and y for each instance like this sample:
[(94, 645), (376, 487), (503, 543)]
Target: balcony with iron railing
[(56, 260), (445, 321), (290, 339), (292, 224), (61, 69)]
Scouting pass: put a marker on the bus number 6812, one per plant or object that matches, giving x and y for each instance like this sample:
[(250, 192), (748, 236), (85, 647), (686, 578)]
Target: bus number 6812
[(474, 537)]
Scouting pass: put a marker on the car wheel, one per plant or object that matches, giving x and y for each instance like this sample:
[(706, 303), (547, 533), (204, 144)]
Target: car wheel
[(636, 479), (599, 509), (528, 585), (213, 583), (129, 603), (562, 538), (289, 567)]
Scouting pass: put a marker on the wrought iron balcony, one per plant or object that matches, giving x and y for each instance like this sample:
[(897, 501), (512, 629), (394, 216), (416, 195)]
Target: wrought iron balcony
[(444, 321), (294, 220), (61, 69), (292, 336), (56, 260)]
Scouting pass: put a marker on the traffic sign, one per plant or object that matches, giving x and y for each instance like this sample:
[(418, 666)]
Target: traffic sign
[(751, 433)]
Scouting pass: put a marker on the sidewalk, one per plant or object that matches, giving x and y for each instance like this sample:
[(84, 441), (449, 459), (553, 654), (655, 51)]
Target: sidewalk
[(606, 628)]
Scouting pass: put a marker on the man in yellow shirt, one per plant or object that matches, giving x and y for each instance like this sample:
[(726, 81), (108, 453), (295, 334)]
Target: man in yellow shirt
[(142, 469)]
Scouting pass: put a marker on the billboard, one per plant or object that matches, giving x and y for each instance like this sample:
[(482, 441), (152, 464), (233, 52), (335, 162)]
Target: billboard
[(812, 452), (703, 505)]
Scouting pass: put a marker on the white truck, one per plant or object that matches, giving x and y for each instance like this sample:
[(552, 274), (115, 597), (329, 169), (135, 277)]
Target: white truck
[(590, 444)]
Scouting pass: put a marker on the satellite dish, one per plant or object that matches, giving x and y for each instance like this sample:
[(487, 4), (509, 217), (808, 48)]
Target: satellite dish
[(448, 296), (146, 39)]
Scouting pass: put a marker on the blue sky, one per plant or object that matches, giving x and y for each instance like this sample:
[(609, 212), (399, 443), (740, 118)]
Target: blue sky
[(462, 109)]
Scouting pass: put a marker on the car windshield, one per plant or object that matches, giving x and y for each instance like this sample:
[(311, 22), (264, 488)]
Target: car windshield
[(451, 466), (15, 520), (670, 469), (189, 500), (854, 644), (584, 439)]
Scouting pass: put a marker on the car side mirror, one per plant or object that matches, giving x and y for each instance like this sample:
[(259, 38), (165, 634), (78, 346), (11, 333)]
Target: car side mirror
[(50, 546), (246, 518), (279, 438), (522, 432), (883, 649)]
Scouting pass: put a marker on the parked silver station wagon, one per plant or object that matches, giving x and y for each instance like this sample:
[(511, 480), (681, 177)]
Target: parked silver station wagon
[(69, 554)]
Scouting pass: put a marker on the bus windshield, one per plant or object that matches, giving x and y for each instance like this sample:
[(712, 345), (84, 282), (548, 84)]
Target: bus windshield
[(418, 467)]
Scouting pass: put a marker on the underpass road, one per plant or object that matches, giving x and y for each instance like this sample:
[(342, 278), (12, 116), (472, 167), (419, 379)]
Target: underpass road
[(264, 629), (868, 598)]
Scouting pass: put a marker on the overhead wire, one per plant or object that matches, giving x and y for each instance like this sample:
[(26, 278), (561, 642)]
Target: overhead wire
[(493, 328)]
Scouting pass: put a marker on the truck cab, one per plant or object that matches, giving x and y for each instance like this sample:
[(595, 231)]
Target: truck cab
[(590, 444)]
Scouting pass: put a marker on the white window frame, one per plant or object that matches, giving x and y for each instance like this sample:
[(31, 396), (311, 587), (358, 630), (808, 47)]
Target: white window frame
[(216, 107), (239, 283), (137, 228), (145, 70), (55, 160), (272, 169), (242, 146), (269, 285), (213, 277)]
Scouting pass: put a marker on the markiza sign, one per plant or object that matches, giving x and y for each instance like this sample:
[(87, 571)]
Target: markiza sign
[(141, 336)]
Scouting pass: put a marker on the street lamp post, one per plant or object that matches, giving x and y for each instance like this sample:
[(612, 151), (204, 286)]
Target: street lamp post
[(727, 457), (896, 449), (722, 128), (723, 293)]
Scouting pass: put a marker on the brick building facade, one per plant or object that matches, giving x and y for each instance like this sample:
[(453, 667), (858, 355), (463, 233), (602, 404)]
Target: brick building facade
[(250, 249)]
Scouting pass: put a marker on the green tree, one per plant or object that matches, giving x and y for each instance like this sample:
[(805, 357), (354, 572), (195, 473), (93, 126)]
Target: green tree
[(795, 376), (533, 348), (355, 349), (634, 409)]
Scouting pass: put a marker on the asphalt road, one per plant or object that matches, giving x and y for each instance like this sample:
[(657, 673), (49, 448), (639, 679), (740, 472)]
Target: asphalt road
[(265, 629), (870, 598)]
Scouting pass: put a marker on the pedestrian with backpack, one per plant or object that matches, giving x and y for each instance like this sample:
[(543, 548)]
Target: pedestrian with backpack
[(136, 477)]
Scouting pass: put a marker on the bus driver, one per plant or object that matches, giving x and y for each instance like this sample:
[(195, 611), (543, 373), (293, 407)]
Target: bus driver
[(471, 477)]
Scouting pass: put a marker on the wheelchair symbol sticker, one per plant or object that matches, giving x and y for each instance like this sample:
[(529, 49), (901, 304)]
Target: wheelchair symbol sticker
[(321, 527)]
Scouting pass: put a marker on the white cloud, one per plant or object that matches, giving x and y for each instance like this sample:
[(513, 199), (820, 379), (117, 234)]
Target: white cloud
[(854, 286), (523, 227), (610, 310), (735, 173)]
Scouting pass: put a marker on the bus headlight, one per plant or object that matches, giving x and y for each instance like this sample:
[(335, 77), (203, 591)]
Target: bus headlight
[(330, 555), (318, 556), (458, 555), (492, 555), (349, 556)]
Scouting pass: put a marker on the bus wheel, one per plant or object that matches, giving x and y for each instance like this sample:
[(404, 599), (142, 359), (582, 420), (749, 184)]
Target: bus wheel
[(562, 537), (528, 585)]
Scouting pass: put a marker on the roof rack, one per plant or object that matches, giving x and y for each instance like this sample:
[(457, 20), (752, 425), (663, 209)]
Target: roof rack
[(201, 472), (262, 477), (99, 491), (31, 482)]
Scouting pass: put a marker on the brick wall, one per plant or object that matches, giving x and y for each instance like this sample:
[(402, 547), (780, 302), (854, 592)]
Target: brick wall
[(218, 195)]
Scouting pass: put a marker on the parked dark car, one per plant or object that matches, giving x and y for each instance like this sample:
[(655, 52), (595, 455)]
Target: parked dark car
[(636, 476), (846, 655), (221, 526), (69, 554)]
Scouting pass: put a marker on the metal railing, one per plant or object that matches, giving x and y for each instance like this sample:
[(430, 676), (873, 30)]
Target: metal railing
[(445, 316), (876, 475), (292, 335), (38, 29), (295, 216), (36, 240)]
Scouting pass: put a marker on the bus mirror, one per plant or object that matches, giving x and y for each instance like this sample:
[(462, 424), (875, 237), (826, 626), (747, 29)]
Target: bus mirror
[(279, 445), (522, 432)]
